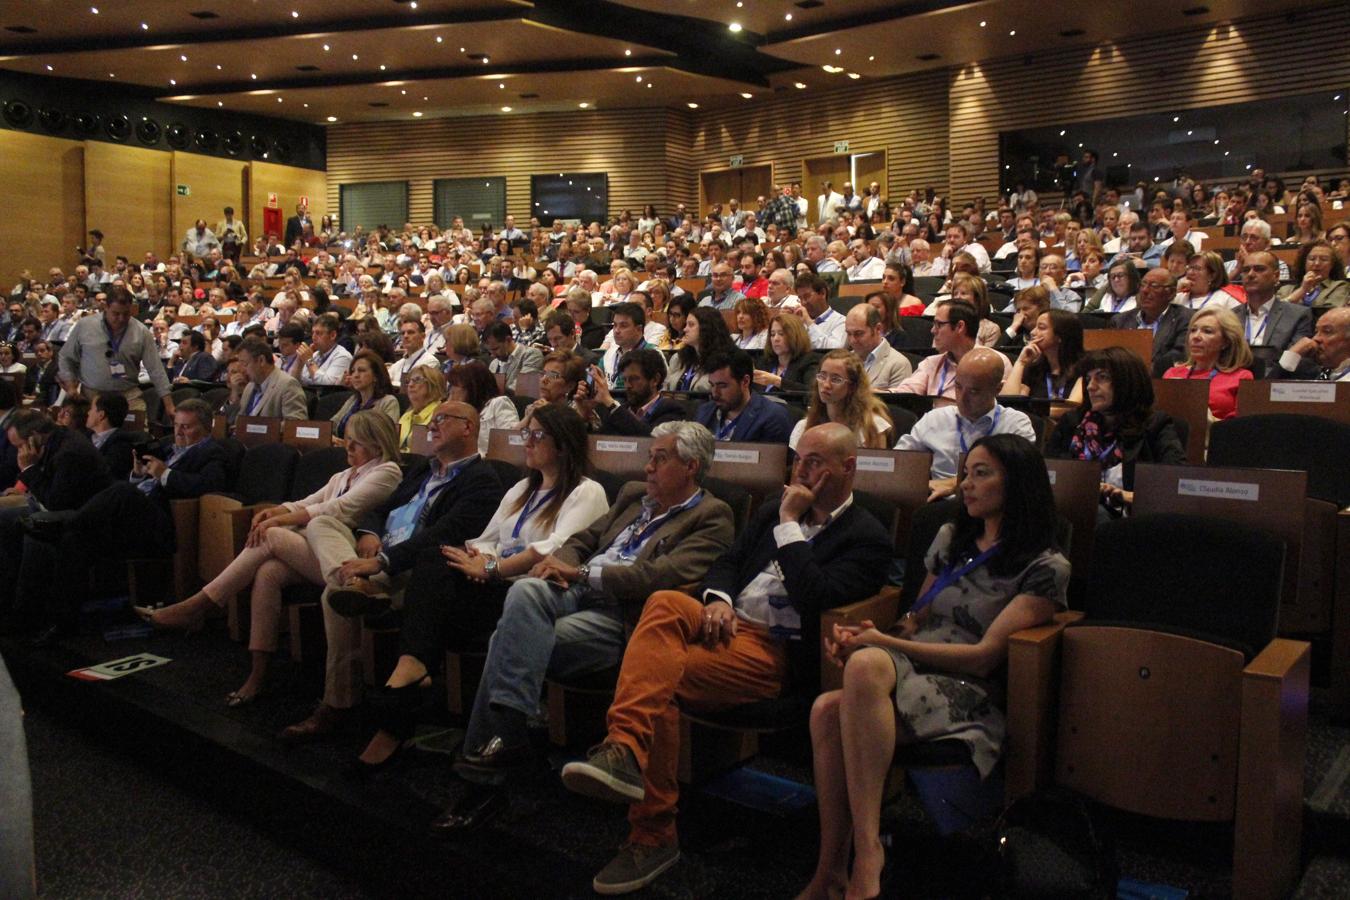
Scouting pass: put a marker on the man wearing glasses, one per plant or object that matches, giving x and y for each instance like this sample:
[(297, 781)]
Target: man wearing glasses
[(447, 498), (1154, 310), (955, 326)]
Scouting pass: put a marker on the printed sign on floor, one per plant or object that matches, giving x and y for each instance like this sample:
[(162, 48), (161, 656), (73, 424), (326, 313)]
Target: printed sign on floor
[(116, 668)]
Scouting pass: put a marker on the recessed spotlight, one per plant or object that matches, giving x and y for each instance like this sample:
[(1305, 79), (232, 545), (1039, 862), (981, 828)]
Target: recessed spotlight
[(1225, 153), (171, 81), (278, 99), (253, 75), (746, 96), (1061, 133), (145, 26), (417, 114), (426, 99), (217, 67), (506, 109), (628, 53), (787, 17), (501, 85), (1012, 33), (871, 59), (649, 84), (854, 75), (355, 57), (734, 27), (800, 85), (112, 74), (182, 57), (1216, 142), (50, 69), (305, 105), (326, 48), (1080, 146), (692, 105), (381, 67), (439, 39), (983, 23), (1337, 97), (739, 4), (94, 10), (833, 70), (1114, 155), (332, 118), (404, 92), (584, 105), (220, 103), (1189, 133), (461, 50), (485, 60), (413, 4), (1176, 119), (838, 51), (639, 78), (295, 14)]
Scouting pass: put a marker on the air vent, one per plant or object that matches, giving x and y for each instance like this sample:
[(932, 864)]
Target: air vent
[(810, 4), (928, 57), (204, 14), (21, 29), (1195, 11), (307, 68), (529, 96), (1072, 33), (379, 104)]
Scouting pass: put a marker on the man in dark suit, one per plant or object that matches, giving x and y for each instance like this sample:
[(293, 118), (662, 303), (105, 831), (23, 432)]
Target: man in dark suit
[(736, 413), (295, 226), (447, 498), (569, 618), (1268, 322), (751, 632), (1156, 311), (105, 422), (643, 408)]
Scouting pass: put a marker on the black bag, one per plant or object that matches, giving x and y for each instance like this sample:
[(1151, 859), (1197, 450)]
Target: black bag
[(1050, 848)]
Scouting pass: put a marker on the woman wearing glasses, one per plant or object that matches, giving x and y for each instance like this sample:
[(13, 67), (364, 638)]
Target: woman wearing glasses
[(459, 597), (276, 553), (841, 392), (426, 390)]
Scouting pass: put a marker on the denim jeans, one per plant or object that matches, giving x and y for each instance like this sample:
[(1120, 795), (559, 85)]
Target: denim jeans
[(543, 631)]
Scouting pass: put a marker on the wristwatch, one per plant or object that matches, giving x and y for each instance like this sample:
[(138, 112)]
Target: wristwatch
[(490, 568), (583, 573)]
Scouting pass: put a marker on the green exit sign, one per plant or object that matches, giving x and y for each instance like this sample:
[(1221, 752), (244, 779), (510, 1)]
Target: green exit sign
[(184, 190)]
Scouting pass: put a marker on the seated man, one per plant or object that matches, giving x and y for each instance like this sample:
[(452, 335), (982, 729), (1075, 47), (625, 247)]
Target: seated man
[(885, 366), (1053, 274), (751, 632), (643, 371), (721, 295), (1329, 348), (270, 392), (955, 327), (1266, 321), (105, 422), (824, 323), (508, 357), (323, 361), (946, 431), (569, 617), (628, 333), (447, 498), (1253, 238), (1155, 310), (735, 412)]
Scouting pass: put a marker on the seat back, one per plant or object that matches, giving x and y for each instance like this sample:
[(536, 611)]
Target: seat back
[(307, 435), (506, 444), (733, 495), (899, 477), (1137, 341), (254, 431), (1309, 443), (314, 469), (1076, 484), (329, 402), (1324, 399), (1186, 400), (266, 472), (759, 468)]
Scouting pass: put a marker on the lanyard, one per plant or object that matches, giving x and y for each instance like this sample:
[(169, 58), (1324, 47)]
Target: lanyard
[(256, 400), (1050, 388), (942, 377), (1310, 296), (726, 427), (998, 411), (429, 493), (1153, 328), (1212, 372), (949, 576), (1117, 303), (356, 408), (529, 509), (820, 320), (1247, 327), (1208, 297), (639, 535), (115, 345), (687, 378)]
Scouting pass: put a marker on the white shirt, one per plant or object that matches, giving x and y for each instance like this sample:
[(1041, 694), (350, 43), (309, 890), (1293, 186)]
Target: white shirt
[(327, 368), (506, 534), (755, 341), (829, 264), (827, 330), (943, 430), (868, 270), (1255, 325), (399, 370), (1217, 298), (880, 424)]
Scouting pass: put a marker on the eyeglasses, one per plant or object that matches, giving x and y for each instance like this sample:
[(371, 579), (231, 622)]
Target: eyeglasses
[(830, 379), (441, 417), (532, 434), (938, 323), (550, 376), (417, 379)]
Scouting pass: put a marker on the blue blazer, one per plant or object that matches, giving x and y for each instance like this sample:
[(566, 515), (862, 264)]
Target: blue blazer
[(763, 421)]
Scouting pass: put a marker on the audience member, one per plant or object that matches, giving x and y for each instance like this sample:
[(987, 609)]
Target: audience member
[(1155, 311), (886, 367), (1217, 352), (106, 424), (643, 408), (270, 393), (788, 363), (955, 326), (705, 334), (1047, 366), (1319, 277), (1329, 348), (105, 354), (509, 358), (425, 387), (473, 384), (368, 378), (735, 412), (842, 393), (1265, 320)]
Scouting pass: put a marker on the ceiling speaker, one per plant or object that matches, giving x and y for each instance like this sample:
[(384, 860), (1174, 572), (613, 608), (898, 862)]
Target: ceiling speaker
[(117, 127), (178, 135), (148, 132), (18, 114), (53, 119), (232, 143)]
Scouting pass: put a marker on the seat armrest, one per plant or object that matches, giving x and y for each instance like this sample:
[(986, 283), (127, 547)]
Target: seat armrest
[(880, 609), (1033, 663)]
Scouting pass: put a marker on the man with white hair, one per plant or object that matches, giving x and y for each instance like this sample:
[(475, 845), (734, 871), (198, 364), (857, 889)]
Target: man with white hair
[(1253, 238), (1123, 226), (780, 295), (749, 230), (440, 316), (814, 249)]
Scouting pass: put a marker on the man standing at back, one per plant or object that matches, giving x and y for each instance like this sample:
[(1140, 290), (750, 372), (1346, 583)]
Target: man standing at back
[(104, 354)]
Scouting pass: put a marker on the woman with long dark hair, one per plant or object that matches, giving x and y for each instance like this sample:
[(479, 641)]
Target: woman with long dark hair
[(1047, 366), (459, 596), (369, 378), (935, 675), (705, 334)]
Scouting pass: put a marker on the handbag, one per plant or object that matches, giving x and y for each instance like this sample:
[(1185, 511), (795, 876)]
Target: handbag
[(1051, 848)]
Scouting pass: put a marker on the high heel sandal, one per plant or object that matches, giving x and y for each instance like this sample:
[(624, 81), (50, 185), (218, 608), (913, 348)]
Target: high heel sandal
[(151, 616), (236, 699)]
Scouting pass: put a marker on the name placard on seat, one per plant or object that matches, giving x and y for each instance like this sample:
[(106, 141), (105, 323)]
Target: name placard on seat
[(736, 456), (616, 446), (1226, 490), (1302, 392), (876, 464)]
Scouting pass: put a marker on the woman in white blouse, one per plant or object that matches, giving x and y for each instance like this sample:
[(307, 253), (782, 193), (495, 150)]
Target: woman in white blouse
[(460, 598), (276, 553)]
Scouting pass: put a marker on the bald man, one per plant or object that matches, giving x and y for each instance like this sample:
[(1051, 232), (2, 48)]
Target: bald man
[(447, 498), (751, 629), (885, 366), (948, 431), (1329, 348)]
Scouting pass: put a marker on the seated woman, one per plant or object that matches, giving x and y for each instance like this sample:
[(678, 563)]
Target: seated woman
[(1027, 273), (369, 377), (788, 363), (473, 383), (1319, 277), (962, 264), (705, 334), (1205, 283), (1047, 366), (425, 387), (677, 312), (896, 280), (841, 392), (276, 553), (972, 290), (460, 596), (885, 305), (461, 346), (1027, 307), (1307, 224), (10, 365), (1217, 351), (1090, 276), (1122, 284), (752, 324), (1116, 424), (936, 675), (558, 381)]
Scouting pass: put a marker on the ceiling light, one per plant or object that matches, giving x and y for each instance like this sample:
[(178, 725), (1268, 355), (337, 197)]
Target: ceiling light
[(746, 96), (413, 4), (739, 4), (1114, 155), (404, 92), (1061, 133), (49, 68), (692, 105), (1176, 119), (1189, 133), (854, 75), (417, 114), (325, 48), (305, 105), (838, 51), (649, 84), (583, 105), (381, 67), (428, 99), (278, 99), (502, 86), (1012, 33), (628, 53), (94, 10), (461, 50), (983, 23), (485, 60), (439, 39), (506, 109), (871, 59), (800, 85), (253, 76), (183, 57), (217, 67), (787, 17), (355, 57), (145, 26), (639, 78), (112, 74), (734, 27), (1216, 142), (332, 118), (833, 70), (220, 103), (295, 14), (171, 81)]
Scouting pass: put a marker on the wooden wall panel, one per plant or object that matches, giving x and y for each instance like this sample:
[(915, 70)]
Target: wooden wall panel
[(44, 221), (127, 196), (289, 184), (214, 184), (1251, 59)]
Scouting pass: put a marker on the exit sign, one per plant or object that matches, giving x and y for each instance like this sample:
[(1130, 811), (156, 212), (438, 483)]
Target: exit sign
[(841, 146), (737, 161), (184, 190)]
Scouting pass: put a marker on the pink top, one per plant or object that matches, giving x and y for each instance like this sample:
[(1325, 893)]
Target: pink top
[(1223, 387)]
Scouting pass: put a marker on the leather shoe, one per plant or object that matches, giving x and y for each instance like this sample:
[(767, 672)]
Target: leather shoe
[(494, 756), (360, 598), (469, 813), (323, 722)]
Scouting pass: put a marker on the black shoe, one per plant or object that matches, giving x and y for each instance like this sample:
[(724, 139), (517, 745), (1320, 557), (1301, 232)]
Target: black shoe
[(356, 770), (352, 602), (50, 635), (469, 813), (494, 756), (44, 526)]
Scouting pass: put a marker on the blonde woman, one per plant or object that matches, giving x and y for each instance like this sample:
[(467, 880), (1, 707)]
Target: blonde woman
[(426, 389), (276, 553), (1216, 350), (841, 392)]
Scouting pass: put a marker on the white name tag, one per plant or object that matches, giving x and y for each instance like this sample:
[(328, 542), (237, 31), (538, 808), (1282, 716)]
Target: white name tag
[(1222, 490), (1052, 473), (515, 440), (736, 456), (131, 417), (1303, 392), (616, 446), (311, 434), (876, 464), (255, 429)]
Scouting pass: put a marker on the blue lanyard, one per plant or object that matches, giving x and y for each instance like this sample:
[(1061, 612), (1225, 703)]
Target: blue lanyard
[(1050, 389), (1117, 303), (1247, 328), (820, 320), (257, 399), (942, 377), (1153, 328), (687, 378), (645, 525), (726, 427), (529, 509), (1212, 372), (950, 576), (1310, 296), (998, 411), (356, 408), (1208, 297), (115, 345)]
